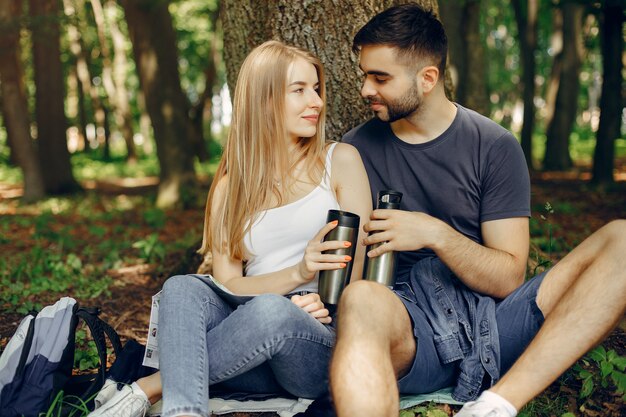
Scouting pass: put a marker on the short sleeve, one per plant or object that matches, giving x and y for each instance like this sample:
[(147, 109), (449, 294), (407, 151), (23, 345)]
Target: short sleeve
[(506, 182)]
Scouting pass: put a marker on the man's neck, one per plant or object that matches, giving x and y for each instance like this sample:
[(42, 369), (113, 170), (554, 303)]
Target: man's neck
[(427, 123)]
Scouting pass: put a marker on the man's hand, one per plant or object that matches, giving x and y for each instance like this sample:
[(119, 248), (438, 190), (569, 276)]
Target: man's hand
[(401, 231), (312, 304)]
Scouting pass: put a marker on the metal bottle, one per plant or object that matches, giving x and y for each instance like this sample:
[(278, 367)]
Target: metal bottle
[(332, 283), (382, 268)]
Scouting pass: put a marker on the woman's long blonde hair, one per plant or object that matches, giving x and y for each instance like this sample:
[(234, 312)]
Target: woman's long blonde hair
[(256, 151)]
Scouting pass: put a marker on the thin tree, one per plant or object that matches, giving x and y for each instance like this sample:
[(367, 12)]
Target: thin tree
[(74, 10), (14, 105), (54, 157), (466, 52), (203, 103), (114, 76), (563, 116), (154, 46), (526, 18), (611, 104)]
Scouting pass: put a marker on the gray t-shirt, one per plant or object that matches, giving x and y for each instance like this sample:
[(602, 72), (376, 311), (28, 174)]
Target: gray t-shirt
[(474, 172)]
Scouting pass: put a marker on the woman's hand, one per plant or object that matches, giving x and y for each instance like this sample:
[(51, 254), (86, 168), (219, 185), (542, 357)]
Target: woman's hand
[(312, 304), (314, 260)]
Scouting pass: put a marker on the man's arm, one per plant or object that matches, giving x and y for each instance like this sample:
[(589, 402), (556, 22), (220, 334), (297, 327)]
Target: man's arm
[(495, 268)]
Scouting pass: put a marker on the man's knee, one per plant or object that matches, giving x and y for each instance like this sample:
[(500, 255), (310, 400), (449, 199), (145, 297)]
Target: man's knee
[(616, 231), (362, 297)]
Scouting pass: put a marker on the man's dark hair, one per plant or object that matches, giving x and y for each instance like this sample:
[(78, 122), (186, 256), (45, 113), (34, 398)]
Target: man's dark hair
[(416, 34)]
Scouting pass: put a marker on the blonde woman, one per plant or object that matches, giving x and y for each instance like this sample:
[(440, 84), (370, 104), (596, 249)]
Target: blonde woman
[(264, 225)]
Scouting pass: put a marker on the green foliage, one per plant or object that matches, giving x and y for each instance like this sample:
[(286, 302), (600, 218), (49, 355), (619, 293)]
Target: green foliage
[(154, 217), (150, 248), (428, 410), (601, 368), (541, 236), (91, 167), (545, 406), (41, 271), (86, 353), (62, 402)]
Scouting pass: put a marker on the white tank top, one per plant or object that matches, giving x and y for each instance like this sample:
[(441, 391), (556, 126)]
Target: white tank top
[(279, 236)]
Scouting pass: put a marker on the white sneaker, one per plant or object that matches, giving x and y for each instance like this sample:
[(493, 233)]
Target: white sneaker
[(489, 404), (108, 390), (131, 401)]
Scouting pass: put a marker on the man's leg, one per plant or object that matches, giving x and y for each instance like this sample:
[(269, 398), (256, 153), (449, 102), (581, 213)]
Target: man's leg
[(375, 345), (582, 298)]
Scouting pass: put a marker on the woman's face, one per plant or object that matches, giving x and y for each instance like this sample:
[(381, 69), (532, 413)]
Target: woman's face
[(302, 103)]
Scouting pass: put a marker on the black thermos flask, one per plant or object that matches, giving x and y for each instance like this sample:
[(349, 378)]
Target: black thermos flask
[(382, 269)]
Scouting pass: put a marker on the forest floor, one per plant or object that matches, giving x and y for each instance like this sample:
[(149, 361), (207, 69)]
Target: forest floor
[(575, 210)]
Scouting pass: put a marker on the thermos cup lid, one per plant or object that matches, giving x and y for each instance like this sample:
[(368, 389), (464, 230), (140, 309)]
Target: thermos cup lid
[(345, 218), (389, 199)]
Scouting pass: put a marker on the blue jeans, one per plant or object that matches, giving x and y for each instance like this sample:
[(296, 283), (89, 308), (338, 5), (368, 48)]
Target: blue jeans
[(266, 345)]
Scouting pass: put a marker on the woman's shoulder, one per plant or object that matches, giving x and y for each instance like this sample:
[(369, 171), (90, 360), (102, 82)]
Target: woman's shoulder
[(345, 153)]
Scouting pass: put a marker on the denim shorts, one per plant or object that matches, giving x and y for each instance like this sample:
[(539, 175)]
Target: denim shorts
[(518, 318)]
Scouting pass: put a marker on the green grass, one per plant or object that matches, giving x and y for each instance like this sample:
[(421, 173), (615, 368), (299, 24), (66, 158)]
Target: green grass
[(67, 245)]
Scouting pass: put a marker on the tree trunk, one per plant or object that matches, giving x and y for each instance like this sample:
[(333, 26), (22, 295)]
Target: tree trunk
[(197, 110), (526, 18), (466, 52), (611, 104), (320, 27), (114, 77), (14, 105), (566, 105), (556, 44), (156, 57), (49, 107)]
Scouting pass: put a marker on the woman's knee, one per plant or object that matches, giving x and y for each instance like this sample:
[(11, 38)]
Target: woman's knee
[(185, 289), (273, 311)]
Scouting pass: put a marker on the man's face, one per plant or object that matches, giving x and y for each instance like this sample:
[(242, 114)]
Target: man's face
[(389, 85)]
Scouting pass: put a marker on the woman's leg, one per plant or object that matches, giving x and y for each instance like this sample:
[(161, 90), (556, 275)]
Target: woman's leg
[(188, 310), (271, 330)]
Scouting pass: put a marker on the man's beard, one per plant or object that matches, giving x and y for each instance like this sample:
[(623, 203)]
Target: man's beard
[(401, 107)]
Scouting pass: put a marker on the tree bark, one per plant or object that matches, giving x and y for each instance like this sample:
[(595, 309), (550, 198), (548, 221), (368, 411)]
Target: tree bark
[(14, 105), (320, 27), (466, 52), (526, 18), (566, 105), (54, 158), (611, 101), (154, 46)]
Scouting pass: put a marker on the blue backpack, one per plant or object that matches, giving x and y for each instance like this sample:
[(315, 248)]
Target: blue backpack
[(37, 362)]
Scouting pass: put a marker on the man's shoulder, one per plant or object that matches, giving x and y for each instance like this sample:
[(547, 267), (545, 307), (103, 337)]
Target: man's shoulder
[(485, 128), (364, 131)]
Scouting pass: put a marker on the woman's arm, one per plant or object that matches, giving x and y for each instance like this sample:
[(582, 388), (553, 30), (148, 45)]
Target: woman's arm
[(349, 180), (229, 271)]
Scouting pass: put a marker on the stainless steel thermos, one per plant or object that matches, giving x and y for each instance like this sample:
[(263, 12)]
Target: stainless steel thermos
[(382, 269), (332, 283)]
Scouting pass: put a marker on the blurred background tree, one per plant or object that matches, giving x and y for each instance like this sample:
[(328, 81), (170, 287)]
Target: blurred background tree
[(142, 86)]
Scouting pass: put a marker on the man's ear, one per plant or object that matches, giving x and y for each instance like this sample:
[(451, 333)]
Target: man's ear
[(428, 78)]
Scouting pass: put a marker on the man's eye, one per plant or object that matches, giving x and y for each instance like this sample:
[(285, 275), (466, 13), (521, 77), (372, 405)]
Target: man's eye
[(380, 80)]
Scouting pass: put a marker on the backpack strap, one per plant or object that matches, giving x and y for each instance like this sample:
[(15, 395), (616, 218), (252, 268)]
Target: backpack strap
[(98, 329)]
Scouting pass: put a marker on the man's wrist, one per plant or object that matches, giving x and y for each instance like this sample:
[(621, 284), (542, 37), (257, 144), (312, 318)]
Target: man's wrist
[(441, 234)]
